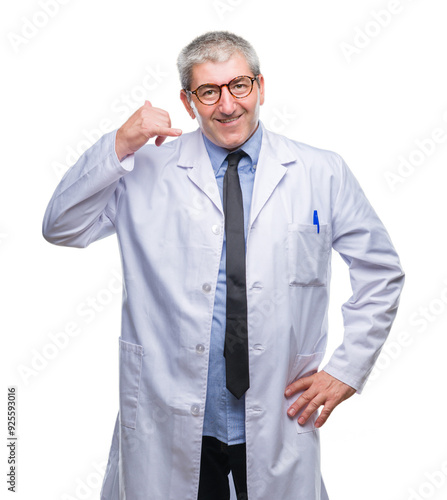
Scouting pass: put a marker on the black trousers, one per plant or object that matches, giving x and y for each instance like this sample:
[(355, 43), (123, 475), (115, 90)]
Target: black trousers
[(217, 460)]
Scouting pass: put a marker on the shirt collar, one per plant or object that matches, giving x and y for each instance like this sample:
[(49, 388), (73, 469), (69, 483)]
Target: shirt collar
[(252, 147)]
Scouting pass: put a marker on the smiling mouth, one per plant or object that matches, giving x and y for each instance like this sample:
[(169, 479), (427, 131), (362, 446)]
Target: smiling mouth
[(229, 120)]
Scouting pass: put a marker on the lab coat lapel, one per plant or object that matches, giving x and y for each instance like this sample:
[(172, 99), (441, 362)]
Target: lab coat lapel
[(270, 170), (195, 157)]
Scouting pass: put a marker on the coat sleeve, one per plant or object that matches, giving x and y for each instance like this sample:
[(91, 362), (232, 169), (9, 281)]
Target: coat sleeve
[(82, 209), (376, 279)]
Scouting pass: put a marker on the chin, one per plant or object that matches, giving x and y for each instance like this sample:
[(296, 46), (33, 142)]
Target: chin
[(232, 143)]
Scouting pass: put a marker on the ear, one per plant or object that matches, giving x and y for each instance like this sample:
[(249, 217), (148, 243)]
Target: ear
[(261, 89), (186, 103)]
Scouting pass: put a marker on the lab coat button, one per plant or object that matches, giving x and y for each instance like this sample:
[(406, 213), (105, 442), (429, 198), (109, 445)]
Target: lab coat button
[(215, 229), (195, 409), (200, 348), (206, 287)]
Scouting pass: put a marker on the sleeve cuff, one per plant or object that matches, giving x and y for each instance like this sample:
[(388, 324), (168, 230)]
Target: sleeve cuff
[(128, 162), (347, 378)]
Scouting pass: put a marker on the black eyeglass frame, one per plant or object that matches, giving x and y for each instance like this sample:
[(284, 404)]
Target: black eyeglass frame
[(252, 79)]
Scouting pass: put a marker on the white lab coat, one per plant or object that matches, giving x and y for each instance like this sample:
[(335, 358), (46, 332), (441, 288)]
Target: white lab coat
[(164, 205)]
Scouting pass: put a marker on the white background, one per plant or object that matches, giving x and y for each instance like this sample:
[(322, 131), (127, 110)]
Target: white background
[(70, 77)]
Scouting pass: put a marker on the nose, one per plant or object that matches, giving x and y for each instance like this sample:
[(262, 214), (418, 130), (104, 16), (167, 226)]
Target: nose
[(227, 103)]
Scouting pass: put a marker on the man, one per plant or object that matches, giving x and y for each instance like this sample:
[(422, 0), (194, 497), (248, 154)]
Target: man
[(226, 265)]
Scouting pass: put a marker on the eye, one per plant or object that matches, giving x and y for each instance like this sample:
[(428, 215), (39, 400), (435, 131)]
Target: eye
[(208, 91), (241, 85)]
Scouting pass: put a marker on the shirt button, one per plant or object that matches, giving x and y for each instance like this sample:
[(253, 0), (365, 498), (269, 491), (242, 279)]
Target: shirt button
[(206, 287), (195, 409), (200, 348), (215, 229)]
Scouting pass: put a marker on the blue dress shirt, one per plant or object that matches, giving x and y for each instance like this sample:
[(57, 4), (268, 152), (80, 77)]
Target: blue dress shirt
[(224, 414)]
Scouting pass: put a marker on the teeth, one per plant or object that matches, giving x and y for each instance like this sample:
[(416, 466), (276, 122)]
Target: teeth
[(228, 121)]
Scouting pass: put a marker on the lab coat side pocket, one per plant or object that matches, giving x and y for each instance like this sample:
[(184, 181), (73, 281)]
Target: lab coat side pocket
[(130, 364), (305, 365), (308, 254)]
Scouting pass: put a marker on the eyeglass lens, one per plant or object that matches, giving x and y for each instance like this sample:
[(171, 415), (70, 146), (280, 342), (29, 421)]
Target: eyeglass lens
[(238, 87)]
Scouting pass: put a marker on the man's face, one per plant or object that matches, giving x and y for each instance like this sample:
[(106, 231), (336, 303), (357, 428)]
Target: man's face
[(230, 122)]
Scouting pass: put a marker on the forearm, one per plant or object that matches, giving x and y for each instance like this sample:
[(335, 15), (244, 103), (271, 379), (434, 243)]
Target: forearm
[(376, 280), (82, 207)]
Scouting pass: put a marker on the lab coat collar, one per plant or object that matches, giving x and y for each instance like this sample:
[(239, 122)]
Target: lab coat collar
[(272, 166), (274, 157), (193, 152), (193, 155)]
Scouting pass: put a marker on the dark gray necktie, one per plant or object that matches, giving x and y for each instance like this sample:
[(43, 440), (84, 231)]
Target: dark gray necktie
[(236, 339)]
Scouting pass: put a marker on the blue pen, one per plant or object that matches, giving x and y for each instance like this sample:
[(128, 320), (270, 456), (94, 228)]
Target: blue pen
[(316, 221)]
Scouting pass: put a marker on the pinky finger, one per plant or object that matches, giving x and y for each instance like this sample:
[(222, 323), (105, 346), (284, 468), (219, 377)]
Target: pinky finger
[(322, 419), (160, 140)]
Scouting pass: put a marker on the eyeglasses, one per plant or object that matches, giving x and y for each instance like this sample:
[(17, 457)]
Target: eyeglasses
[(210, 93)]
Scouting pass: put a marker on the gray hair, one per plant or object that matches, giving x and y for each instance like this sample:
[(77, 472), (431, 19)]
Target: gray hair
[(214, 46)]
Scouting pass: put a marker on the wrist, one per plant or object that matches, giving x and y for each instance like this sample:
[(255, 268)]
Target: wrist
[(121, 148)]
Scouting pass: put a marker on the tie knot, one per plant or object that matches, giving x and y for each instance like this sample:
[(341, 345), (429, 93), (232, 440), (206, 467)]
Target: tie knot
[(234, 158)]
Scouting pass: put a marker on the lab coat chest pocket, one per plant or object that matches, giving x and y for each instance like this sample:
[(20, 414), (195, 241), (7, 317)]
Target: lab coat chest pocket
[(130, 364), (308, 254)]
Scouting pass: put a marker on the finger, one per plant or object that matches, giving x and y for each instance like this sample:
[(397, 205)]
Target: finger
[(301, 402), (168, 132), (324, 415), (311, 408), (299, 385), (148, 104), (162, 133)]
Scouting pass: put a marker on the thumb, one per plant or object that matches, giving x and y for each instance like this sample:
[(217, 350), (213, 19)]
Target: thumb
[(148, 103)]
